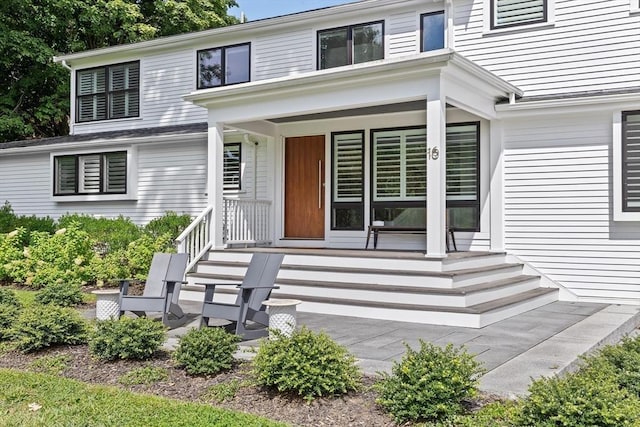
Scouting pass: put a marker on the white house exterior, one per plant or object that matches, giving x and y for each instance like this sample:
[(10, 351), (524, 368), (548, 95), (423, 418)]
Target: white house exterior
[(324, 121)]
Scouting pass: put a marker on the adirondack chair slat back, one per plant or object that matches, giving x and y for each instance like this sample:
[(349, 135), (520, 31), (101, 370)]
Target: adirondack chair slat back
[(175, 273), (263, 274), (157, 274)]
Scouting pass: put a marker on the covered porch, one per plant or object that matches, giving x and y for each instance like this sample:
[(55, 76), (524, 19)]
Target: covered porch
[(336, 150)]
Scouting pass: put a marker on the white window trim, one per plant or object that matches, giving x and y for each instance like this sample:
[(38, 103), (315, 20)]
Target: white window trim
[(618, 213), (132, 177), (634, 6), (486, 16)]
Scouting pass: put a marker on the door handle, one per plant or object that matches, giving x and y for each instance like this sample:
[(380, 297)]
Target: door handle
[(319, 184)]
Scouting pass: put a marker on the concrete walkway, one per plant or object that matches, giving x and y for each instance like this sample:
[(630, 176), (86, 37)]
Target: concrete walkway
[(541, 342)]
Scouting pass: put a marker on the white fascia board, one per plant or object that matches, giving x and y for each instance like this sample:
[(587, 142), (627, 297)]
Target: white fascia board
[(621, 101), (243, 30)]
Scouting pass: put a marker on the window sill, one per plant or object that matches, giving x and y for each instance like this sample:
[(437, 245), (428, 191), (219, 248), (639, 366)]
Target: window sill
[(517, 29), (621, 216), (94, 122), (95, 198), (634, 11)]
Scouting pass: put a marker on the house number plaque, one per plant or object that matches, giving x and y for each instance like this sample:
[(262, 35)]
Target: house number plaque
[(433, 153)]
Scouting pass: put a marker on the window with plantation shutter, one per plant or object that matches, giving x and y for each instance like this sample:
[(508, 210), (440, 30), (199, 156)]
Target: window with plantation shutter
[(463, 176), (508, 13), (399, 164), (110, 92), (348, 180), (231, 166), (631, 161), (98, 173)]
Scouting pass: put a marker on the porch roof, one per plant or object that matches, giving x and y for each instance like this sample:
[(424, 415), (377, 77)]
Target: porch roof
[(462, 82)]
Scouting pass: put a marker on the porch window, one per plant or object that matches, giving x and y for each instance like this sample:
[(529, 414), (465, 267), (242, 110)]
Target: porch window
[(510, 13), (432, 31), (232, 166), (110, 92), (399, 176), (347, 205), (350, 45), (631, 161), (100, 173), (223, 66), (463, 176)]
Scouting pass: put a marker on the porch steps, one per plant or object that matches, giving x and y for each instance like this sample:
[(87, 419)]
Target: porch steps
[(485, 290)]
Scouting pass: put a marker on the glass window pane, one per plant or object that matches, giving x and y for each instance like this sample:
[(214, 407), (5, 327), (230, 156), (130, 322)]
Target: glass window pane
[(209, 68), (333, 48), (231, 166), (432, 31), (236, 64), (348, 218), (367, 43), (115, 180), (65, 167), (462, 162), (401, 217), (518, 12), (348, 167), (631, 161), (89, 179), (463, 218)]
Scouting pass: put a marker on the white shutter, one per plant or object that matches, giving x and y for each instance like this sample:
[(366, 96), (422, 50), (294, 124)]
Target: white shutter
[(115, 179), (231, 167), (347, 167), (415, 164), (65, 175), (513, 12), (89, 180), (462, 164), (91, 95), (124, 97), (387, 170), (631, 161)]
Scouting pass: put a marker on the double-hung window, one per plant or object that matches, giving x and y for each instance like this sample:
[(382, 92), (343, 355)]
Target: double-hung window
[(97, 173), (223, 66), (511, 13), (630, 161), (432, 25), (347, 204), (350, 45), (232, 164), (110, 92)]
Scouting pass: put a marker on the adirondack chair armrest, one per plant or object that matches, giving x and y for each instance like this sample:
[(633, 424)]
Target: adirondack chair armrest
[(262, 287), (182, 282), (124, 286)]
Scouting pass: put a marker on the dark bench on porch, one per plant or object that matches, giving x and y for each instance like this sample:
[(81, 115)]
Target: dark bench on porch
[(394, 229)]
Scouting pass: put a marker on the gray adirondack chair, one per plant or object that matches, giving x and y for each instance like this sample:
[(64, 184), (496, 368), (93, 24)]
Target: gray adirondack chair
[(247, 315), (161, 291)]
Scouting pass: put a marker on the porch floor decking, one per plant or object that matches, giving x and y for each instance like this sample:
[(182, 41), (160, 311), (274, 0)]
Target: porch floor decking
[(368, 253), (541, 342)]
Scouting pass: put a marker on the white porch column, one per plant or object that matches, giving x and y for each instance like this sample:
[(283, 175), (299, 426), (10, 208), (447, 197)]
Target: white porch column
[(436, 171), (496, 147), (214, 178)]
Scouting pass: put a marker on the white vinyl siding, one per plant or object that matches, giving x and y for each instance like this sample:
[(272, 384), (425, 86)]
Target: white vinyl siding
[(508, 13), (399, 165), (558, 206)]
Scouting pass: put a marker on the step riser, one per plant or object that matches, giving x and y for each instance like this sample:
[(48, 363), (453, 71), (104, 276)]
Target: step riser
[(473, 262)]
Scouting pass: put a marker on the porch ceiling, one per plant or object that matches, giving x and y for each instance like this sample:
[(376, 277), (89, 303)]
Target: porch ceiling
[(362, 88)]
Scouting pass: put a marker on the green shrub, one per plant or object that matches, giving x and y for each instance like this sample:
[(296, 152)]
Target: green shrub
[(625, 359), (11, 250), (114, 233), (52, 365), (41, 326), (494, 414), (589, 397), (126, 338), (140, 252), (108, 270), (61, 294), (9, 222), (429, 384), (9, 297), (145, 375), (170, 223), (306, 363), (206, 351), (224, 391), (8, 316)]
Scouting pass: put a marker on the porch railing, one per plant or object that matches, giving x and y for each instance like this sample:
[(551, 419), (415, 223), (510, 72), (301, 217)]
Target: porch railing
[(195, 240), (246, 221)]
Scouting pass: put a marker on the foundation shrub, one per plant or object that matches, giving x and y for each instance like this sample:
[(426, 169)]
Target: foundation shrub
[(9, 222), (308, 364), (206, 351), (113, 233), (589, 397), (60, 294), (429, 384), (170, 223), (140, 252), (625, 360), (126, 338), (41, 326)]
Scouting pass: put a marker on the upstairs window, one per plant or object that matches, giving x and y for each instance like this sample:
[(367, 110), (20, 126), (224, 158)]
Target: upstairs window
[(432, 25), (350, 45), (99, 173), (511, 13), (232, 166), (223, 66), (110, 92), (631, 161)]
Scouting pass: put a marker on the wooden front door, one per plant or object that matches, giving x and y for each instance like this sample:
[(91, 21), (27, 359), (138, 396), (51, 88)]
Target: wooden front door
[(304, 187)]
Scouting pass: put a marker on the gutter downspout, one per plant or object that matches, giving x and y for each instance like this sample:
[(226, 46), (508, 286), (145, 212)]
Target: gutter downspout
[(65, 65)]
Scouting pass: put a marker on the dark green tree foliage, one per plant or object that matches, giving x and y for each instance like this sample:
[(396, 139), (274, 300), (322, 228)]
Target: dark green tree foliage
[(34, 92)]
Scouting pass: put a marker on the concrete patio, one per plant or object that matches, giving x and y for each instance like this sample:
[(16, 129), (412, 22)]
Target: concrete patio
[(541, 342)]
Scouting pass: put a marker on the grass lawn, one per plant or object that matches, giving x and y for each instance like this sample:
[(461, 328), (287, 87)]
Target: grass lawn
[(45, 400)]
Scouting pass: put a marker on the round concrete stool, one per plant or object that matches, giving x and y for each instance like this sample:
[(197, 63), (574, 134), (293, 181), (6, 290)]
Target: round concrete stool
[(107, 303), (282, 316)]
